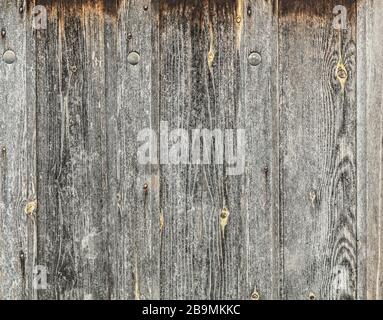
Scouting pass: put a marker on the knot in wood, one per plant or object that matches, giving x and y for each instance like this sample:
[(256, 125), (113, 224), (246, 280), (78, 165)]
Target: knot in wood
[(255, 295)]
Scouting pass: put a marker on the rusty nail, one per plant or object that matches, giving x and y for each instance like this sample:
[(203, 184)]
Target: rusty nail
[(9, 57), (3, 32), (133, 58), (146, 7), (255, 295), (311, 296), (254, 58)]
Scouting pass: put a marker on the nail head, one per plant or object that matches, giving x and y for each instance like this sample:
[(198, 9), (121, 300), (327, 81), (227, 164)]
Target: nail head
[(9, 57), (133, 58), (3, 33), (254, 58)]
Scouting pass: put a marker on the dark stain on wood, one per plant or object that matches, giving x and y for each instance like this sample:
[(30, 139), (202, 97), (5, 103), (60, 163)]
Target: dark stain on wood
[(194, 10), (109, 7), (312, 9), (112, 6)]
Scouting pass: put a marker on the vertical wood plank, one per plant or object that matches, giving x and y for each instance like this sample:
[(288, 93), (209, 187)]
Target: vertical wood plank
[(17, 153), (98, 227), (133, 186), (192, 95), (72, 187), (317, 151), (370, 157), (257, 196), (206, 83)]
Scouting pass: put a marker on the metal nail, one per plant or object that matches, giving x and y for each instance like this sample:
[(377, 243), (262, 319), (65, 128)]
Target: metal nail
[(146, 187), (21, 9), (146, 8), (133, 58), (9, 57), (3, 32), (130, 36), (254, 58)]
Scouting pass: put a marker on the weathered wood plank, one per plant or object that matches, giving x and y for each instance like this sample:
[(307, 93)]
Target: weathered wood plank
[(317, 151), (98, 227), (72, 186), (133, 186), (204, 85), (193, 263), (17, 154), (255, 197), (370, 157)]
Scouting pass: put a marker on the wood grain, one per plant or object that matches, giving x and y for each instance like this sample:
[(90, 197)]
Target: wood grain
[(317, 153), (17, 155), (133, 187), (97, 225), (259, 187), (208, 83), (303, 217), (370, 284), (71, 154)]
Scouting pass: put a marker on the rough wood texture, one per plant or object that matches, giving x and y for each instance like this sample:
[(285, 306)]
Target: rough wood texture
[(98, 227), (370, 156), (317, 152), (17, 155), (207, 83), (304, 216)]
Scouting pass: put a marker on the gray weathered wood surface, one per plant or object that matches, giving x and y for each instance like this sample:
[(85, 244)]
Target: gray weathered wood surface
[(305, 217)]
